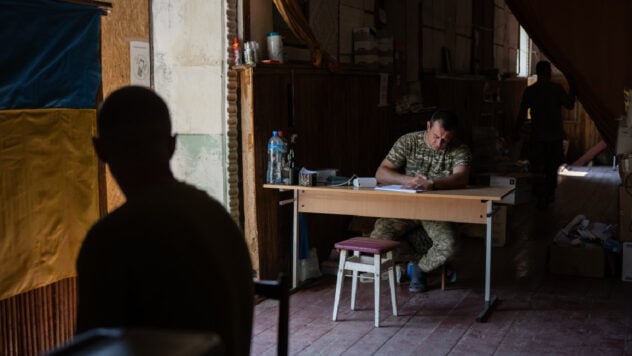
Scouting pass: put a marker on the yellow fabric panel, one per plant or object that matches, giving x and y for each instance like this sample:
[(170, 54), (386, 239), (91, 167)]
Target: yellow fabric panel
[(49, 194)]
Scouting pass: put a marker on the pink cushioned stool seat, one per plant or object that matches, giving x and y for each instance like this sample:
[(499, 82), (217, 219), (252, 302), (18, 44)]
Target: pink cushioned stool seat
[(381, 260), (367, 245)]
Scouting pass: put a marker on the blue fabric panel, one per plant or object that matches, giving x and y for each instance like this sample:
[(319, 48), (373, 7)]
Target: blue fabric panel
[(303, 238), (50, 54)]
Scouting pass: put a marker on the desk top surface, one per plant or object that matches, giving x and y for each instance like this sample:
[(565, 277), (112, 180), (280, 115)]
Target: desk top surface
[(479, 193)]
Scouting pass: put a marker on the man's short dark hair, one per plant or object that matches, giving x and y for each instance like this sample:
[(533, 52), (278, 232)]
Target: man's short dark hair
[(448, 119), (543, 68), (133, 112)]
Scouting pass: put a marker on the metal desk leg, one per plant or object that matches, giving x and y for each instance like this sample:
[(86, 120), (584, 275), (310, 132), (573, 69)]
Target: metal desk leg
[(295, 241), (489, 300)]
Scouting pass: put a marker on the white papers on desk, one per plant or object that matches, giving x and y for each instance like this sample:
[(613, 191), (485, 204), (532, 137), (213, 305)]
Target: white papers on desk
[(398, 188)]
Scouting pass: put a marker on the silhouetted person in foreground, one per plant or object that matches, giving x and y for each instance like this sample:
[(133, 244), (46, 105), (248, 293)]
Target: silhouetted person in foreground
[(546, 152), (171, 256)]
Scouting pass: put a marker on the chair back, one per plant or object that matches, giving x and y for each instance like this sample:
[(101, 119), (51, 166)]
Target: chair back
[(278, 289)]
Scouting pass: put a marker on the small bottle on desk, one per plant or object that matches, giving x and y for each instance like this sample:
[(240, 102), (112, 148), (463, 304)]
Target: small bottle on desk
[(275, 159)]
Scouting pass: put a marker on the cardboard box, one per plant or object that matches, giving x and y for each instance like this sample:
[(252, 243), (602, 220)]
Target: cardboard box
[(626, 263), (624, 138), (625, 214), (577, 261), (499, 227), (522, 183)]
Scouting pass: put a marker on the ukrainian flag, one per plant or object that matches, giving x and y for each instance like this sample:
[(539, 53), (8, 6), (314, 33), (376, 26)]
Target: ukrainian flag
[(50, 73)]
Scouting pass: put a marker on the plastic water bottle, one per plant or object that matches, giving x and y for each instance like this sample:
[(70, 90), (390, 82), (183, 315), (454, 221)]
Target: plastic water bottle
[(275, 159), (410, 270)]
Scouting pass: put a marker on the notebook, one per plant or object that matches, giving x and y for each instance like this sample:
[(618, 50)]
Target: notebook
[(398, 188)]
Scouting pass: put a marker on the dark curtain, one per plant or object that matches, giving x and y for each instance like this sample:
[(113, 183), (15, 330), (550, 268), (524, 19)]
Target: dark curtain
[(51, 54), (591, 43), (294, 18)]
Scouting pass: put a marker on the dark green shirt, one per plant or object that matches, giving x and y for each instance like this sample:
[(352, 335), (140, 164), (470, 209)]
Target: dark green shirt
[(545, 99)]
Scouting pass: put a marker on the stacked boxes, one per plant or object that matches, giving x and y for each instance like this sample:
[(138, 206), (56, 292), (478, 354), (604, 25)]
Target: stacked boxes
[(584, 248), (385, 53), (372, 50), (365, 47)]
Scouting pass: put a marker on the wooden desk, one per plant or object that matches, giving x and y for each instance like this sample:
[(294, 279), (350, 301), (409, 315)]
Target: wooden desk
[(470, 205)]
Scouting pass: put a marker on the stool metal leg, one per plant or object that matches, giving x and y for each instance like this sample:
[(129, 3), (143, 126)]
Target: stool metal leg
[(391, 282), (341, 268), (354, 283), (377, 264)]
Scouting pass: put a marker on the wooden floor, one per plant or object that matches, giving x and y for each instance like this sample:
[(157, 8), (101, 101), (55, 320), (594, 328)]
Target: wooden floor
[(538, 313)]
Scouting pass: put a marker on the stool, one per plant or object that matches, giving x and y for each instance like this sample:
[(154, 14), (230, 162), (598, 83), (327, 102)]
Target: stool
[(373, 264)]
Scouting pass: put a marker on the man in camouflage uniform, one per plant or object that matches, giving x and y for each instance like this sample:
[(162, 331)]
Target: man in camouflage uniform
[(429, 160)]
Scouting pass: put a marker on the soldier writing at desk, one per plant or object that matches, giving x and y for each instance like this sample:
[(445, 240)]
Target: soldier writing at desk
[(429, 160)]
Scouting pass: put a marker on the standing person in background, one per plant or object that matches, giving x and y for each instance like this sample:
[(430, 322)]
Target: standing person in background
[(429, 160), (170, 257), (546, 153)]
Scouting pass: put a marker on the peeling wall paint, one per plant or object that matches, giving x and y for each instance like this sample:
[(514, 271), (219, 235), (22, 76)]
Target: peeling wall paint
[(189, 73), (198, 160)]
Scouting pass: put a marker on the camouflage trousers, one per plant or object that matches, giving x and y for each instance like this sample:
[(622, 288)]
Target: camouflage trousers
[(431, 243)]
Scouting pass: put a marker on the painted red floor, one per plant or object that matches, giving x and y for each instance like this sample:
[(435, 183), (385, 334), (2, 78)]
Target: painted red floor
[(539, 313)]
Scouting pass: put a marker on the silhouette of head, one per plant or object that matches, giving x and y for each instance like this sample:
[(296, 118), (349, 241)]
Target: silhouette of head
[(134, 131), (543, 69)]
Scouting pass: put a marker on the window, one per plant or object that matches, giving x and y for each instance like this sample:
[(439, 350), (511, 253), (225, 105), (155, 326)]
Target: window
[(523, 64)]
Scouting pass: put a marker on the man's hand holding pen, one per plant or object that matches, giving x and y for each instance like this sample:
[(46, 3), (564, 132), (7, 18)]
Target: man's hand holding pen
[(420, 181)]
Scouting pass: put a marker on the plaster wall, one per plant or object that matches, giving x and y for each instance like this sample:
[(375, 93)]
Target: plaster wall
[(189, 73)]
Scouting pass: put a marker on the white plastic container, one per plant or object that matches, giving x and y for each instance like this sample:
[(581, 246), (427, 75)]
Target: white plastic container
[(275, 47)]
